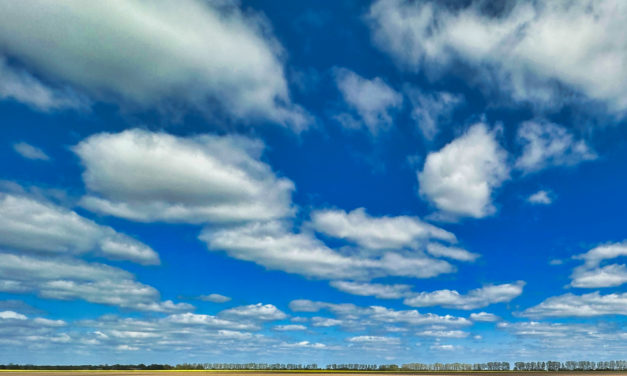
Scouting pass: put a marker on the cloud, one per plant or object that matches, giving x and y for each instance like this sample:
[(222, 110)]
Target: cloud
[(454, 253), (291, 327), (325, 322), (208, 321), (541, 197), (191, 54), (373, 100), (547, 145), (592, 275), (29, 151), (484, 317), (518, 49), (443, 333), (255, 312), (586, 305), (274, 246), (372, 289), (40, 227), (431, 110), (19, 85), (477, 298), (215, 298), (569, 338), (443, 347), (374, 340), (69, 279), (352, 316), (377, 232), (10, 315), (218, 179), (459, 178)]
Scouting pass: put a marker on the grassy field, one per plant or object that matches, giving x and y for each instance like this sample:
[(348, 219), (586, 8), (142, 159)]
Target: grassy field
[(284, 373)]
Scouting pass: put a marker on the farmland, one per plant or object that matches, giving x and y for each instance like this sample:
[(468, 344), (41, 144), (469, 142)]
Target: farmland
[(288, 373)]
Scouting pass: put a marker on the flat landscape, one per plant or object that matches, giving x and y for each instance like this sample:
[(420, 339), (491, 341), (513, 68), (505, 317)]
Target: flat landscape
[(320, 373)]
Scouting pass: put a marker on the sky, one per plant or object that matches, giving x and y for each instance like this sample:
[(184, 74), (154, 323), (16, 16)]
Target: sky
[(312, 182)]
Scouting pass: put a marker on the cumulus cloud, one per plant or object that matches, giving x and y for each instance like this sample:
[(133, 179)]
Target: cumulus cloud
[(208, 321), (443, 333), (29, 151), (454, 253), (378, 340), (592, 275), (29, 225), (191, 54), (459, 178), (431, 110), (378, 290), (373, 100), (19, 85), (69, 279), (215, 298), (290, 327), (519, 49), (484, 317), (352, 316), (542, 197), (255, 312), (569, 338), (274, 246), (477, 298), (546, 145), (586, 305), (377, 232), (145, 176)]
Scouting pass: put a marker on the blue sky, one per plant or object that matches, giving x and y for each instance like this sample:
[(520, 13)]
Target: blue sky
[(385, 182)]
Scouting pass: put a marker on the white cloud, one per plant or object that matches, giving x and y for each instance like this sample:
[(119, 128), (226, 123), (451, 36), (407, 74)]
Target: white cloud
[(375, 340), (454, 253), (69, 279), (443, 333), (19, 85), (325, 322), (430, 110), (546, 145), (197, 179), (290, 327), (372, 289), (354, 316), (304, 344), (377, 232), (477, 298), (569, 338), (535, 51), (443, 347), (272, 245), (191, 54), (542, 197), (373, 99), (29, 225), (484, 317), (29, 151), (606, 276), (459, 178), (10, 315), (586, 305), (215, 298), (592, 275), (255, 312), (209, 321)]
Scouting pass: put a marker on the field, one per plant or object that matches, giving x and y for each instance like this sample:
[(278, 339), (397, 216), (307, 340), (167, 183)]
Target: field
[(290, 373)]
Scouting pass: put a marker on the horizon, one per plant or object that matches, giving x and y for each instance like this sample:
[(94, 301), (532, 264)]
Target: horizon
[(381, 182)]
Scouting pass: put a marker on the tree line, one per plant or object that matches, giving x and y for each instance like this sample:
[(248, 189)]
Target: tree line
[(555, 366)]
